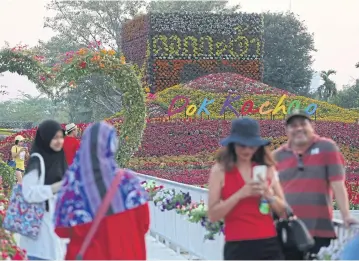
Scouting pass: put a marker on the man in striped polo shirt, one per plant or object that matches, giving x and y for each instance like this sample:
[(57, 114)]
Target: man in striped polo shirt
[(310, 169)]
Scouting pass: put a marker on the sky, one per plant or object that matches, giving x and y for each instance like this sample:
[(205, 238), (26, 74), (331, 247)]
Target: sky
[(334, 23)]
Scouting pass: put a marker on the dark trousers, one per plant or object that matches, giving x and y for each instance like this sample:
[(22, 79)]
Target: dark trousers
[(259, 249), (294, 254)]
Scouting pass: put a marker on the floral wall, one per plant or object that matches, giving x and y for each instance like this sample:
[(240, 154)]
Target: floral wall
[(177, 47)]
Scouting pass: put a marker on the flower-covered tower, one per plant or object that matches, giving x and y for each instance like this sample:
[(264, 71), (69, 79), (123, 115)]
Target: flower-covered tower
[(178, 47)]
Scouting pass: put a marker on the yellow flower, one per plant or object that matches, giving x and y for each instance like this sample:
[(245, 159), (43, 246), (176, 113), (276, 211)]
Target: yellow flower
[(82, 51), (111, 52), (123, 59), (104, 51), (147, 89)]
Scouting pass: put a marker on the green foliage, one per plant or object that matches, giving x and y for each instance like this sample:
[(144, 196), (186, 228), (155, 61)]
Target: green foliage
[(24, 63), (85, 22), (287, 53), (348, 97), (7, 174), (328, 89), (32, 109)]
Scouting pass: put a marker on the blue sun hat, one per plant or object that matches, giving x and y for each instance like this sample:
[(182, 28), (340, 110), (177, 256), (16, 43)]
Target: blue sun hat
[(245, 132)]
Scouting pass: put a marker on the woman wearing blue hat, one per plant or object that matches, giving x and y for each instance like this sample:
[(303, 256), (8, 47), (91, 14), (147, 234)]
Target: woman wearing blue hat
[(243, 189)]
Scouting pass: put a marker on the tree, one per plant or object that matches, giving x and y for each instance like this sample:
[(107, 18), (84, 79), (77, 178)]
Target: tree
[(348, 97), (328, 89), (165, 6), (357, 65), (287, 53), (31, 109), (86, 22)]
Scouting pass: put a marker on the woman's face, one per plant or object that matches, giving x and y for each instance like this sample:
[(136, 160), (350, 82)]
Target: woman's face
[(244, 153), (57, 141)]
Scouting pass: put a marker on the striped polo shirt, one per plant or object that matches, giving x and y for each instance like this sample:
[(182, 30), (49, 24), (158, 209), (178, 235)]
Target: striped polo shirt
[(306, 183)]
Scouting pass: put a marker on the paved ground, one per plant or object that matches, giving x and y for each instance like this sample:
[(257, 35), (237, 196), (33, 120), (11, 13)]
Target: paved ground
[(155, 250), (158, 251)]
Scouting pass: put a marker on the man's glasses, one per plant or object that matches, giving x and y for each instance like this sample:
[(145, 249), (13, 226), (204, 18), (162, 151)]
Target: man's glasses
[(300, 162)]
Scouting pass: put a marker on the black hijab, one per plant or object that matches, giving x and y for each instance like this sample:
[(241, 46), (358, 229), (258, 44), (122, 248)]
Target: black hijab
[(55, 161)]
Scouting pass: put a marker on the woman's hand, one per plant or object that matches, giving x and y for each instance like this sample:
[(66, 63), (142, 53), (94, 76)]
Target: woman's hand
[(268, 191), (252, 188), (56, 186)]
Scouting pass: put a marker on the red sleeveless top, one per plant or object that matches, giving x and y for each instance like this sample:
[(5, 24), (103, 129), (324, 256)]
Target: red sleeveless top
[(244, 221)]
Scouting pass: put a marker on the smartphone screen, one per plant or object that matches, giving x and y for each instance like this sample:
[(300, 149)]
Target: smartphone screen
[(259, 172)]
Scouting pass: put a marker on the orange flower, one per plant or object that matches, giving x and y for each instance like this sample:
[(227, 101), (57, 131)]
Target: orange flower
[(82, 51), (95, 58), (103, 51), (102, 65), (111, 52), (123, 59)]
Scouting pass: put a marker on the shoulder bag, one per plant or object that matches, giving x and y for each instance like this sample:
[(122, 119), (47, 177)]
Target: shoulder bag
[(21, 216)]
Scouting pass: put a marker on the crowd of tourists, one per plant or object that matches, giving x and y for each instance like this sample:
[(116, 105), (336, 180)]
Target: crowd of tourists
[(75, 190)]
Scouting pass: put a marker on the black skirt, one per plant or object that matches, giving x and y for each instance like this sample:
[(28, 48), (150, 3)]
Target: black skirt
[(258, 249)]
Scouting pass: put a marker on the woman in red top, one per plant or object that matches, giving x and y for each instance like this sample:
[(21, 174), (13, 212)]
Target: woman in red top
[(121, 233), (250, 232)]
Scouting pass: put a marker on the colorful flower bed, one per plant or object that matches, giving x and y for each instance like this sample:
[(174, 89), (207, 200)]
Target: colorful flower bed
[(196, 212), (233, 83), (324, 112)]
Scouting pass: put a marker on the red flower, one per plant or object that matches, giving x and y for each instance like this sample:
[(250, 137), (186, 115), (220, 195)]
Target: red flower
[(83, 65)]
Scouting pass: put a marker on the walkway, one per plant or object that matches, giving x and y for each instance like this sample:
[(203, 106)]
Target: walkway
[(155, 250)]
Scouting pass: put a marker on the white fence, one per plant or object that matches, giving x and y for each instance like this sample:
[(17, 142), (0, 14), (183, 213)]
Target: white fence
[(176, 231)]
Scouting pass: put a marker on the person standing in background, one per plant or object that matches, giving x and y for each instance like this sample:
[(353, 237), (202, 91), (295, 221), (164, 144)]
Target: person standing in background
[(49, 144), (19, 155), (121, 233), (310, 169), (71, 143)]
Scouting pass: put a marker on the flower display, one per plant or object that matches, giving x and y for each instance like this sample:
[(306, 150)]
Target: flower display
[(196, 212), (178, 47), (247, 89), (77, 64)]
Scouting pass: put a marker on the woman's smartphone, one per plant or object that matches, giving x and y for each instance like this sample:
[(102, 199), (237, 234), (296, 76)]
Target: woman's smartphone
[(259, 173)]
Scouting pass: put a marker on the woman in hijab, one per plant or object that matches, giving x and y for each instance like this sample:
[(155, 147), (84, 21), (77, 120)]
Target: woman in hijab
[(48, 143), (121, 233)]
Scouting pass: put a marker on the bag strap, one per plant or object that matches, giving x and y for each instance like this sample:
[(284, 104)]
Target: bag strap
[(42, 167), (100, 214)]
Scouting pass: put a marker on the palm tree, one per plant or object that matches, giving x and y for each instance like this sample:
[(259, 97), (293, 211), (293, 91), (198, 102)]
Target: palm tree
[(328, 89)]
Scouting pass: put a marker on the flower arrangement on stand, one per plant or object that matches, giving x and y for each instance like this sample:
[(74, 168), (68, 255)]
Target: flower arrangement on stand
[(168, 199)]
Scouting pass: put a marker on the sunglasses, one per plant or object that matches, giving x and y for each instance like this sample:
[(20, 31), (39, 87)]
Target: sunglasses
[(245, 146), (300, 162)]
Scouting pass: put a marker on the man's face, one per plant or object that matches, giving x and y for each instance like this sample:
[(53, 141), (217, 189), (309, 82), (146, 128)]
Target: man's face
[(75, 132), (300, 131)]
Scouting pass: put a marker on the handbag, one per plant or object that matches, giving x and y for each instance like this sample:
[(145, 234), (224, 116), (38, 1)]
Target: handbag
[(292, 232), (21, 216), (100, 214)]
